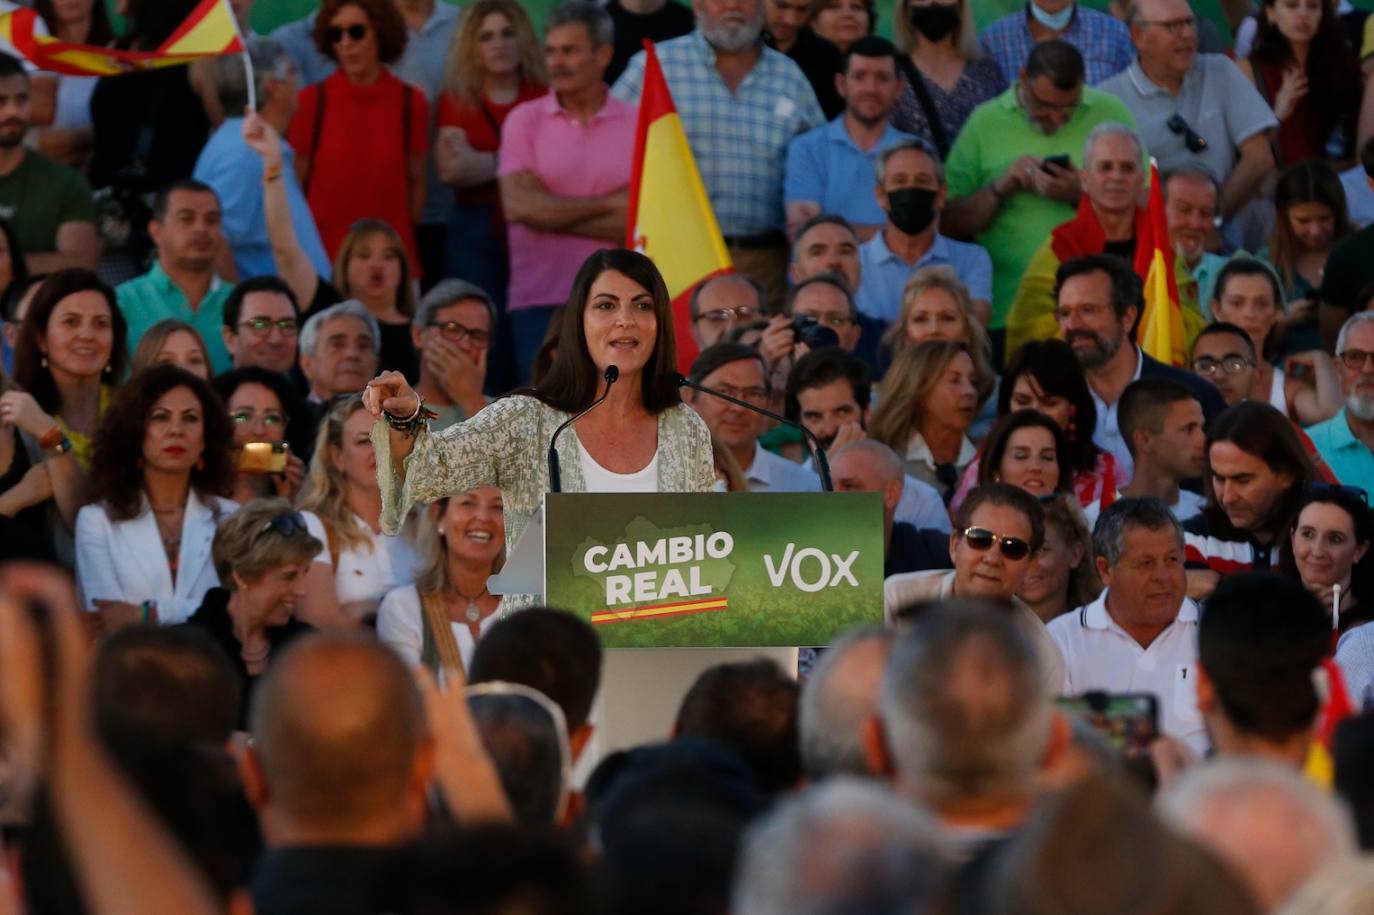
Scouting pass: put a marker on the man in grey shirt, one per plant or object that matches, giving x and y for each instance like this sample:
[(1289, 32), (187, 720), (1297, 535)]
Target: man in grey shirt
[(1199, 110)]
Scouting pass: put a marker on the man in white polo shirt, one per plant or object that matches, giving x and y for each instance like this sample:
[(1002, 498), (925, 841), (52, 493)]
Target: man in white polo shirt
[(1140, 635)]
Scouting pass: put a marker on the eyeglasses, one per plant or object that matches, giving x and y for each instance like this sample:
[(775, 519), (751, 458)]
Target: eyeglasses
[(1195, 141), (756, 396), (1355, 359), (742, 314), (262, 327), (1321, 487), (833, 319), (285, 525), (982, 539), (1174, 27), (1231, 365), (269, 417), (356, 32), (454, 332)]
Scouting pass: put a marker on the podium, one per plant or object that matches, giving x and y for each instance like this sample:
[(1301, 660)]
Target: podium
[(675, 583)]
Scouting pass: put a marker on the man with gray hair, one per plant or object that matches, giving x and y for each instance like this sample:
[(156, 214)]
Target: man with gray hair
[(339, 350), (1140, 634), (1270, 824), (964, 720), (235, 171), (452, 333), (845, 846), (837, 700), (1346, 440)]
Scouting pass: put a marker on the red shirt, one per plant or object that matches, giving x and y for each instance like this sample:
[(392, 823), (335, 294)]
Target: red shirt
[(482, 124), (358, 162)]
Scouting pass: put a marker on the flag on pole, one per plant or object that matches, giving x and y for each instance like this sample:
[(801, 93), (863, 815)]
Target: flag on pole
[(209, 31), (670, 216), (1161, 335)]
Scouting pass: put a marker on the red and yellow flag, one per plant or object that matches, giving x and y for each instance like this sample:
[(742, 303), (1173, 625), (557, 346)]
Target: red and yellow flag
[(1161, 335), (671, 220), (209, 31)]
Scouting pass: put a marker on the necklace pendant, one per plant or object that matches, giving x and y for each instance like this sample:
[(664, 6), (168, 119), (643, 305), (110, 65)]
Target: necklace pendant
[(473, 612)]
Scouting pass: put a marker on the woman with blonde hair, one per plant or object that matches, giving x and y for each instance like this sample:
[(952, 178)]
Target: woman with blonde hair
[(345, 503), (928, 400), (172, 342), (1062, 574), (371, 267)]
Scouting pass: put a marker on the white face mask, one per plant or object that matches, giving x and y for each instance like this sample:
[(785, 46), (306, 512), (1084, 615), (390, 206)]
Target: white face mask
[(1055, 22)]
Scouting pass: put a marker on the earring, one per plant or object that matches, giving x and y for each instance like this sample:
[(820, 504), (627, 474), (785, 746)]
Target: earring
[(43, 362), (108, 368)]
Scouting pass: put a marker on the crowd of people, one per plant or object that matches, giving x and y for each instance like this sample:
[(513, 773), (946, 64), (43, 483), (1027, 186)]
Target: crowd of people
[(278, 383)]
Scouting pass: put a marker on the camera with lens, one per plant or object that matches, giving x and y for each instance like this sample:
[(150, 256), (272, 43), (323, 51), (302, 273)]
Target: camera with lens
[(813, 333)]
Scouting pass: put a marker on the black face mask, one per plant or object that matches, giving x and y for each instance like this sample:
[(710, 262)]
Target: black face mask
[(911, 209), (935, 20)]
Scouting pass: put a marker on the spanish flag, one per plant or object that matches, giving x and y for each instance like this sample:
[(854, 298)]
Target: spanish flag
[(209, 31), (1161, 335), (671, 220)]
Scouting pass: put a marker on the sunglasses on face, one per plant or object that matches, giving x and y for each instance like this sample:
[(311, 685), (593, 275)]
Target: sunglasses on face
[(982, 540), (1195, 141), (356, 32)]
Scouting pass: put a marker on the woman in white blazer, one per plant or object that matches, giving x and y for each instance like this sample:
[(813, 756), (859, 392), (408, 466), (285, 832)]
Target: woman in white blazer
[(161, 466)]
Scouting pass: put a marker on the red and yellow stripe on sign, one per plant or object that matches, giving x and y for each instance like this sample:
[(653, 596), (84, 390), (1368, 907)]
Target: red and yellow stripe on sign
[(659, 611)]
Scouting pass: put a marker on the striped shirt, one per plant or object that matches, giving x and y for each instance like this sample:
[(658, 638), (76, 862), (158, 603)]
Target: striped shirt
[(1205, 550)]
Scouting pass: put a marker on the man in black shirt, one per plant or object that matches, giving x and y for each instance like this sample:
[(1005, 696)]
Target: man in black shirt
[(786, 30), (636, 20)]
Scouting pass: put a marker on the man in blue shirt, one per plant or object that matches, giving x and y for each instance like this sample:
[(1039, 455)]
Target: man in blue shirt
[(911, 191), (830, 169), (1346, 440), (235, 172)]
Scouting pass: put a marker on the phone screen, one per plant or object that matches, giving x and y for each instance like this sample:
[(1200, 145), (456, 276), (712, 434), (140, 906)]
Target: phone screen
[(1129, 722), (262, 457), (1063, 161)]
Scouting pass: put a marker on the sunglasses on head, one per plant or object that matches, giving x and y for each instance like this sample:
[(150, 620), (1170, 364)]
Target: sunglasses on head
[(285, 525), (1321, 487), (982, 539), (1195, 141), (356, 32)]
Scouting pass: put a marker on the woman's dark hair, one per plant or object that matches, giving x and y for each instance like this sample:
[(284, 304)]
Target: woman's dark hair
[(29, 371), (1309, 181), (1361, 522), (1331, 70), (573, 381), (152, 22), (100, 33), (1259, 430), (1055, 369), (115, 464), (995, 448), (385, 20), (19, 268)]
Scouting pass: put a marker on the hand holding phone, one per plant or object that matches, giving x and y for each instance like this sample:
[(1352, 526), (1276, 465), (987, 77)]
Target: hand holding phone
[(1060, 161)]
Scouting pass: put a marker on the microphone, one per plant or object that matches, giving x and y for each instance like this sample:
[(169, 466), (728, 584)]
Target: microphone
[(612, 374), (813, 443)]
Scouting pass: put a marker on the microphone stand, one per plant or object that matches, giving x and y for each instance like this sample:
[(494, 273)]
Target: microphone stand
[(611, 375)]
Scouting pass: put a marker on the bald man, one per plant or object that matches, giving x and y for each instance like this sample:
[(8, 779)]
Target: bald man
[(337, 772), (870, 466)]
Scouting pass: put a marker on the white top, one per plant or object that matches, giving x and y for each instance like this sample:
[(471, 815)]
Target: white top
[(1100, 655), (74, 102), (1278, 398), (770, 472), (400, 626), (599, 479), (1189, 505), (366, 573)]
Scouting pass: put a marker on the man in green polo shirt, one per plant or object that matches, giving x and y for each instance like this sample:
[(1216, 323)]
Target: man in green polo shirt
[(182, 282), (1006, 190)]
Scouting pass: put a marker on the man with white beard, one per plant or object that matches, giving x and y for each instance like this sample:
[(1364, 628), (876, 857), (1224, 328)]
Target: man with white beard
[(728, 85), (1346, 440)]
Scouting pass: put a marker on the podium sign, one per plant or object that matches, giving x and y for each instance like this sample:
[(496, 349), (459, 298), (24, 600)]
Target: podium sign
[(698, 570)]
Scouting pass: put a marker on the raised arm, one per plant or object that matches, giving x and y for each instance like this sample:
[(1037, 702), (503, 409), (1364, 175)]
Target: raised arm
[(293, 265)]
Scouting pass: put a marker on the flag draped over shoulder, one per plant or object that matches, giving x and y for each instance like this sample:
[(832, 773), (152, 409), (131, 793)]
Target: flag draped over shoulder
[(1162, 335), (209, 31), (670, 216)]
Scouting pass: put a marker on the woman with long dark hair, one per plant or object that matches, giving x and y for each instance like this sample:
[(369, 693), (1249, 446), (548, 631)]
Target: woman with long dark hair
[(1310, 217), (1327, 548)]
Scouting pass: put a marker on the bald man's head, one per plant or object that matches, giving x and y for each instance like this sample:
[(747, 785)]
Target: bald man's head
[(338, 726), (869, 466)]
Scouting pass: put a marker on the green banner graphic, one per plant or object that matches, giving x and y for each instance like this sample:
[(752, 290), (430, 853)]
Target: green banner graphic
[(710, 570)]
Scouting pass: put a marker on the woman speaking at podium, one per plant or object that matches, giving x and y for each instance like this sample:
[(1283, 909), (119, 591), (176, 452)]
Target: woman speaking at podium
[(640, 437)]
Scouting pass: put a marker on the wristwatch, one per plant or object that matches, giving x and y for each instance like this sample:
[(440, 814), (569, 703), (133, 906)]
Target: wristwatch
[(63, 445)]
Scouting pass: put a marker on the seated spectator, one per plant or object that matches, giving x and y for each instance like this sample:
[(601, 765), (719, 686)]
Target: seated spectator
[(787, 30), (262, 321), (1328, 548), (452, 332), (842, 844), (1225, 355), (1247, 294), (349, 172), (1190, 205), (1062, 574), (47, 203), (1140, 634), (70, 136), (838, 699), (868, 466), (262, 555), (172, 342), (161, 471), (996, 530), (721, 303), (237, 173), (1310, 219), (181, 284), (738, 370), (1349, 269), (911, 191), (1098, 36), (1272, 827), (1162, 425), (264, 409), (341, 491), (437, 620), (371, 268), (843, 22), (823, 297), (825, 244), (830, 169), (751, 708), (964, 721), (929, 398), (339, 350), (1197, 109), (524, 734), (1028, 450), (1259, 645), (1346, 440), (25, 489), (1007, 189), (948, 75)]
